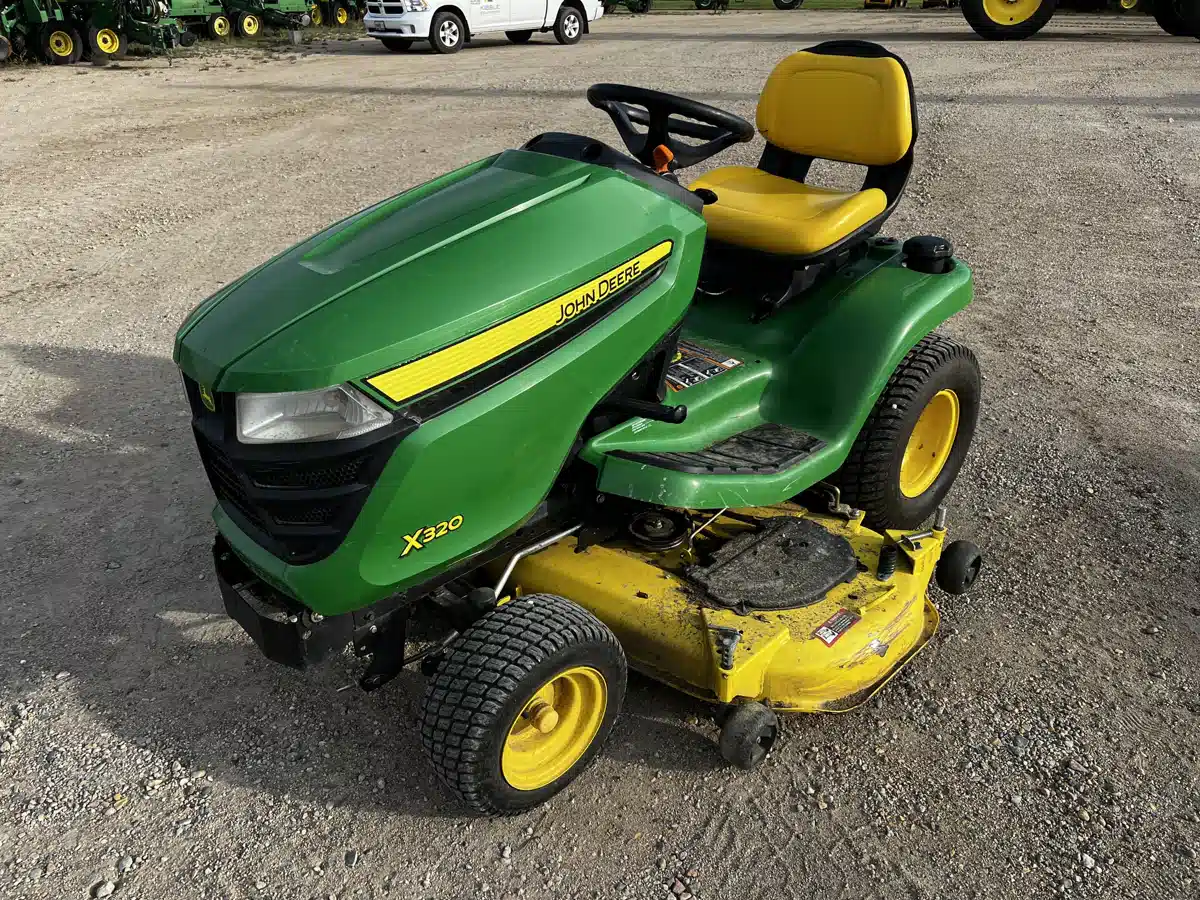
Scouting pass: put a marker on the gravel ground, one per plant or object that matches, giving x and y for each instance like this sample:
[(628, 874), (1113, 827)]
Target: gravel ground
[(1047, 744)]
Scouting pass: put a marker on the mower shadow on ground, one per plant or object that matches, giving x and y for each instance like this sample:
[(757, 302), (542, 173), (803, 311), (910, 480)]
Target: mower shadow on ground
[(105, 515)]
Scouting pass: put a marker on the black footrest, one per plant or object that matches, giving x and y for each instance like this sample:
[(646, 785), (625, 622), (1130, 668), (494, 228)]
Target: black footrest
[(764, 450)]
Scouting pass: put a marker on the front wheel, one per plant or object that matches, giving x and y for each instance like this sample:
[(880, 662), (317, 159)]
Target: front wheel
[(519, 37), (1007, 20), (568, 27), (787, 4), (341, 15), (522, 703), (910, 449), (5, 48), (708, 4), (447, 33)]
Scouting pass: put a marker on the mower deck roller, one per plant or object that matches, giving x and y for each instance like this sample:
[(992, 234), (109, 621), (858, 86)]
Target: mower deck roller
[(556, 414)]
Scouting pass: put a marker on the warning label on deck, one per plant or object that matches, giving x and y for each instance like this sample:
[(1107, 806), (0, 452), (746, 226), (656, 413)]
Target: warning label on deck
[(835, 626), (694, 364)]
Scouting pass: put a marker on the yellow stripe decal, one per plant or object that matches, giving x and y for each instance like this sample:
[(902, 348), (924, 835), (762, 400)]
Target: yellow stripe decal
[(428, 372)]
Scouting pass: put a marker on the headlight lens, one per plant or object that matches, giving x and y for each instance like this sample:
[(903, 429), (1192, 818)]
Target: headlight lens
[(331, 414), (416, 5)]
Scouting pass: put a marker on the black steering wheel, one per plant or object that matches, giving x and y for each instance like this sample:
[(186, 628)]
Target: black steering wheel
[(660, 113)]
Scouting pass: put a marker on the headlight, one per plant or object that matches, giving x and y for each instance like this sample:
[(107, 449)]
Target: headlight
[(330, 414), (416, 5)]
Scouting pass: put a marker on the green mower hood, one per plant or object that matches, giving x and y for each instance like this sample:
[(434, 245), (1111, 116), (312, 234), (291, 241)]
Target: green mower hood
[(421, 271)]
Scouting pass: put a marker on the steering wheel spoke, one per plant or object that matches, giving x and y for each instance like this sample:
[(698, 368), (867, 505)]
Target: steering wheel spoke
[(667, 117)]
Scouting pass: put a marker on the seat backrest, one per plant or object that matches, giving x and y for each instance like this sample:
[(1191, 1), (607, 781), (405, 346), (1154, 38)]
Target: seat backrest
[(849, 101)]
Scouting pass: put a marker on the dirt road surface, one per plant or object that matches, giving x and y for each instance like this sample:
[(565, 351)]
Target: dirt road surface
[(1047, 742)]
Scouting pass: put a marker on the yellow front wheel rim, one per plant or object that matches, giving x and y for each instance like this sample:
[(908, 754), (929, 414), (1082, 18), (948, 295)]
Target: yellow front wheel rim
[(342, 16), (221, 26), (1010, 12), (554, 729), (250, 25), (930, 444), (315, 15), (107, 41), (61, 44)]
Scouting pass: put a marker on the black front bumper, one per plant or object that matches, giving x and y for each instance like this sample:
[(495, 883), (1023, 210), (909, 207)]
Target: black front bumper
[(285, 632)]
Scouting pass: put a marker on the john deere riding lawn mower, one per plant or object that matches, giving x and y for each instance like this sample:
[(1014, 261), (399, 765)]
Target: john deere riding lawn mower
[(555, 413)]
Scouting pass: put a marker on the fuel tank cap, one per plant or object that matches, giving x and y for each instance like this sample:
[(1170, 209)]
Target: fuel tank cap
[(929, 254)]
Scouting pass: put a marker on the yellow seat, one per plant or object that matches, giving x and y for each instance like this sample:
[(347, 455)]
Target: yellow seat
[(778, 215), (847, 101)]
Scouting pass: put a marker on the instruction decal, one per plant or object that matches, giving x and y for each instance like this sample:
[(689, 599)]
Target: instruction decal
[(693, 364), (835, 626)]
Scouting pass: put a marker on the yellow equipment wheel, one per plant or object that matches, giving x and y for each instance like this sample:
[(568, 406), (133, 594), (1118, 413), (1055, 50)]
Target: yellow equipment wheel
[(248, 25), (522, 702), (341, 15), (909, 451), (317, 15), (219, 27), (107, 42), (1006, 20), (61, 44)]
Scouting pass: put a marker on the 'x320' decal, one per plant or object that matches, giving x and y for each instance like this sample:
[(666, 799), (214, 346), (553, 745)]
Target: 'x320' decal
[(422, 536)]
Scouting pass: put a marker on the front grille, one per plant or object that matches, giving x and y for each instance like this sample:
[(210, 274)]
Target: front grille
[(393, 9), (298, 501), (374, 8)]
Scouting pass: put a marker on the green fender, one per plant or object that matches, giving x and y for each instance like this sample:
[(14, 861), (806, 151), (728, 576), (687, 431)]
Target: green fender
[(818, 366)]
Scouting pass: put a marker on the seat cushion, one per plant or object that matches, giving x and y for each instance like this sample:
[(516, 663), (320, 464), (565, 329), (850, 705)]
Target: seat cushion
[(778, 215)]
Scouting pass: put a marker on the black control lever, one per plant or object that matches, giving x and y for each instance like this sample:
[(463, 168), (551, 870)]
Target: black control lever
[(659, 412)]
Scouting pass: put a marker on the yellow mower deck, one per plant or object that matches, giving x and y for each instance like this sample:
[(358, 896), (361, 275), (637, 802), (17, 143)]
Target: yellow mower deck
[(829, 656)]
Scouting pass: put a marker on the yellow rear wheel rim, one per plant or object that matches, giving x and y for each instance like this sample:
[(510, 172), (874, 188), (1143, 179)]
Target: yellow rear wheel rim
[(930, 444), (107, 41), (554, 729), (1010, 12), (342, 16), (250, 25), (1128, 4), (61, 44), (315, 15), (221, 26)]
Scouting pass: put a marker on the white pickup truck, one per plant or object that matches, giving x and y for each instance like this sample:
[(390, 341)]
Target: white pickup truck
[(448, 24)]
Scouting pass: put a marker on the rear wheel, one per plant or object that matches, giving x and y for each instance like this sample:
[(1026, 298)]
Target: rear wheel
[(1171, 18), (909, 451), (247, 25), (1007, 20), (568, 27), (219, 26), (519, 37), (787, 4), (61, 44), (396, 45), (522, 703), (341, 14), (447, 33), (704, 4), (104, 44)]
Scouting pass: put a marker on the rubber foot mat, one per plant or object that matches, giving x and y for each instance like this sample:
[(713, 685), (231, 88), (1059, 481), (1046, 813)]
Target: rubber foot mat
[(764, 450)]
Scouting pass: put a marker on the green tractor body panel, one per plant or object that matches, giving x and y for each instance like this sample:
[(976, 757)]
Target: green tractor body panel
[(195, 11), (485, 247), (816, 366), (421, 272)]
